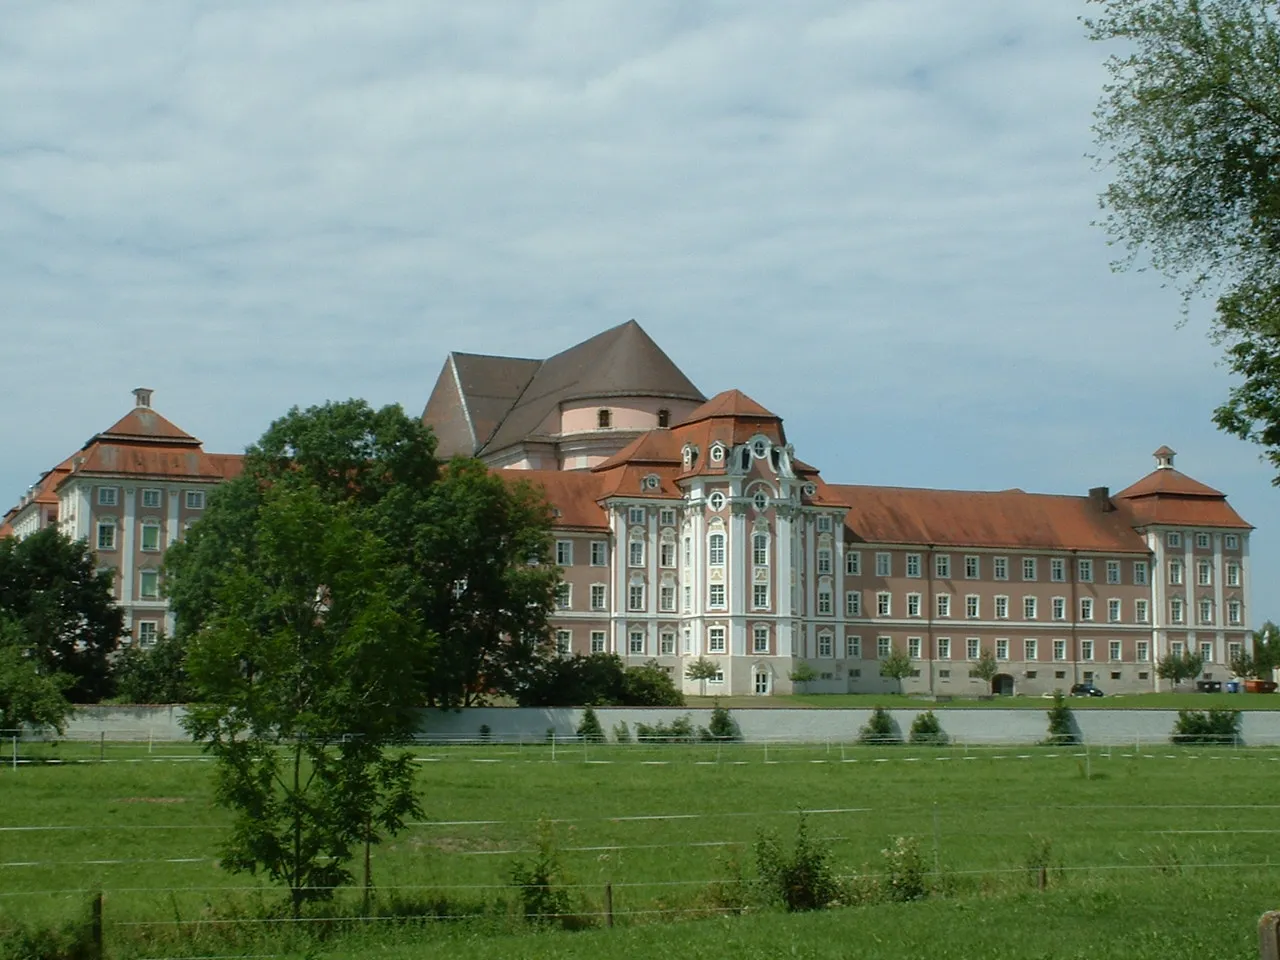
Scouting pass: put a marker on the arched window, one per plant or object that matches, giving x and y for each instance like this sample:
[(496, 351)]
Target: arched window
[(715, 550), (604, 418)]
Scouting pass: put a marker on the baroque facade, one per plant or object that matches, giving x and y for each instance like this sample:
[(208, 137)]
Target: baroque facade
[(687, 527)]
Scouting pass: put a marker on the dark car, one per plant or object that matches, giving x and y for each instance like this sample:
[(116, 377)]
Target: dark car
[(1085, 690)]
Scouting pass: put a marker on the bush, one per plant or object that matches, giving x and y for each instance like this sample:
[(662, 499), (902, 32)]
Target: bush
[(800, 881), (650, 686), (72, 940), (543, 896), (722, 725), (879, 729), (679, 730), (155, 675), (926, 728), (1062, 724), (621, 732), (485, 732), (589, 728), (904, 870), (1216, 726)]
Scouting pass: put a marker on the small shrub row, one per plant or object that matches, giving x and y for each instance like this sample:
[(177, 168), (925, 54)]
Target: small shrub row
[(1216, 726), (926, 729)]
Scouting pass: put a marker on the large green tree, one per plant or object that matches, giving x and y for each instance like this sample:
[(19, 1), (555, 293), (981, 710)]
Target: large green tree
[(29, 694), (152, 675), (63, 608), (1189, 126)]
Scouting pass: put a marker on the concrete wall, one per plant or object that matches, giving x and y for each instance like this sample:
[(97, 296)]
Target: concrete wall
[(1258, 727)]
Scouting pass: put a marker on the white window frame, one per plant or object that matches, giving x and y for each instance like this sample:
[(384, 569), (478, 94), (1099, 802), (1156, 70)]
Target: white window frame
[(564, 596), (1030, 608), (1113, 572), (884, 647), (973, 648), (1203, 542), (760, 549), (853, 603), (107, 523), (973, 606), (564, 642), (884, 604), (564, 553), (636, 516), (1177, 610), (1084, 570), (1173, 539), (1231, 542), (1204, 573), (758, 634), (667, 597), (914, 645), (1002, 607), (913, 566), (716, 640), (1086, 609), (972, 567), (1142, 651), (1140, 572), (599, 553), (152, 498), (824, 601), (667, 554), (716, 548), (1176, 573), (1235, 613), (1057, 570), (999, 568), (826, 646), (597, 641), (716, 596), (635, 553), (1030, 649), (1232, 577), (148, 632), (1058, 608), (944, 648), (108, 496), (1002, 648), (194, 499), (913, 604), (1204, 610), (942, 605), (1142, 610), (824, 561), (145, 527), (667, 643), (1059, 650), (884, 564), (143, 575), (1115, 651), (667, 517), (635, 638), (760, 596), (1030, 569), (853, 563), (599, 596), (636, 596), (853, 646), (1115, 612), (1086, 650), (942, 566)]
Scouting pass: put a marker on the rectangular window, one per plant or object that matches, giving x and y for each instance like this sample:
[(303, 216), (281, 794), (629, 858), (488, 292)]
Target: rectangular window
[(824, 524), (667, 644), (855, 647), (1177, 612), (715, 550), (599, 553), (824, 645), (1000, 568), (1206, 651), (1141, 611), (149, 584), (1002, 608), (853, 603), (1028, 568), (1113, 571), (151, 499), (972, 567), (913, 604), (760, 549), (688, 598), (635, 515), (1143, 650), (635, 553), (1059, 649), (1084, 571), (688, 550), (1175, 572), (973, 648), (972, 606), (635, 643), (715, 595), (884, 564), (884, 646), (1086, 649), (1059, 605), (1233, 574), (1140, 573), (1206, 611), (1113, 650), (1231, 542), (1086, 608), (1176, 647), (943, 601), (597, 641), (1202, 541), (151, 537), (106, 536), (1113, 611), (1058, 570), (667, 598), (913, 648), (108, 496), (564, 596), (1204, 573), (944, 648), (148, 630), (715, 640), (1028, 608), (760, 640), (564, 642), (1173, 539), (1030, 650), (853, 563), (913, 565), (760, 596), (635, 596), (824, 601), (1234, 650), (195, 499), (597, 596), (942, 566), (1233, 613), (1002, 649), (884, 604), (667, 553), (667, 517), (824, 561), (564, 552)]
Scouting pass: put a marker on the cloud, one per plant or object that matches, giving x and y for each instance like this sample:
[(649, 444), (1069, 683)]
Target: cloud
[(872, 216)]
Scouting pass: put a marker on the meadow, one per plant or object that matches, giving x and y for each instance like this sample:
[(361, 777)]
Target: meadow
[(1166, 852)]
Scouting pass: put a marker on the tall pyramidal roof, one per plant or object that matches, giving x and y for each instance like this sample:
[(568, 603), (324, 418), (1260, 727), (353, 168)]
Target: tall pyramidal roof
[(486, 403)]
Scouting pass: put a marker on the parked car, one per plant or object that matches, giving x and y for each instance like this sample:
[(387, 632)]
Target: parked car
[(1085, 690)]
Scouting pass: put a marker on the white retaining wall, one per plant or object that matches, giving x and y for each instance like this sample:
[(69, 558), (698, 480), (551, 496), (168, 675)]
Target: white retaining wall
[(1258, 727)]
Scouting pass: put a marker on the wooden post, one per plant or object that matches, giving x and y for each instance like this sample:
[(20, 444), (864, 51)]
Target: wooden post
[(102, 745), (1269, 936), (608, 903), (368, 869), (95, 925), (1043, 880)]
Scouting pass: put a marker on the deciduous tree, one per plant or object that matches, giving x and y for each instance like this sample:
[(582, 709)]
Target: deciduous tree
[(29, 694), (1177, 667)]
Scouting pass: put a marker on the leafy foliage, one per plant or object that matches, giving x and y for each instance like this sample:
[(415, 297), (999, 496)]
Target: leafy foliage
[(722, 726), (801, 879), (1062, 723), (802, 673), (702, 670), (904, 870), (157, 675), (1216, 726), (28, 694), (879, 728), (544, 897), (63, 607), (648, 685), (1262, 663), (926, 728), (679, 730), (621, 732), (986, 668), (1179, 667), (897, 666), (589, 728), (1190, 124), (600, 679)]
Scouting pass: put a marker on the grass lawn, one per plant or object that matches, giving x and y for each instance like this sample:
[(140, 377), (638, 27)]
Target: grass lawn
[(1134, 701), (1160, 854)]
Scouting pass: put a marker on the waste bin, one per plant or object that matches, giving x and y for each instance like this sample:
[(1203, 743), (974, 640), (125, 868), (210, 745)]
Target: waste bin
[(1233, 686), (1208, 686)]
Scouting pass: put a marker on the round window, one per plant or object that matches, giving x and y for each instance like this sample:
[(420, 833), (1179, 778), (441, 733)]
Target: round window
[(716, 501), (761, 500), (717, 453), (810, 489), (759, 448)]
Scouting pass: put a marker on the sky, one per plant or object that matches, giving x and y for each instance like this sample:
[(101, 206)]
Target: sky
[(872, 216)]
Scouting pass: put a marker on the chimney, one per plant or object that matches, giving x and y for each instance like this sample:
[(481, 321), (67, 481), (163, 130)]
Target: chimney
[(1164, 458), (1100, 497), (142, 397)]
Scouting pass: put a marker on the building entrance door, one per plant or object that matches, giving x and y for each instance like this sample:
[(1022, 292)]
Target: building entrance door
[(762, 683)]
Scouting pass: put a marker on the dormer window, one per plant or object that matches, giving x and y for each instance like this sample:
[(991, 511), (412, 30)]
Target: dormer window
[(810, 489), (604, 418), (759, 447), (664, 418), (717, 453), (651, 482)]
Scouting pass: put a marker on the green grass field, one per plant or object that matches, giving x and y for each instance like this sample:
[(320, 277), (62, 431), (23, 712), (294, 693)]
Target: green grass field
[(1167, 853)]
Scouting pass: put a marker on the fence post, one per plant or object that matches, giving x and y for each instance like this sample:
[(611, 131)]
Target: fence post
[(102, 745), (608, 902), (1269, 936), (95, 925), (15, 753)]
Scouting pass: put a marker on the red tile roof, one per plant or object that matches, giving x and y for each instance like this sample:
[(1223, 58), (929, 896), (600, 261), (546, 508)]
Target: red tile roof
[(729, 403), (144, 424), (1166, 480), (573, 493), (1169, 497)]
